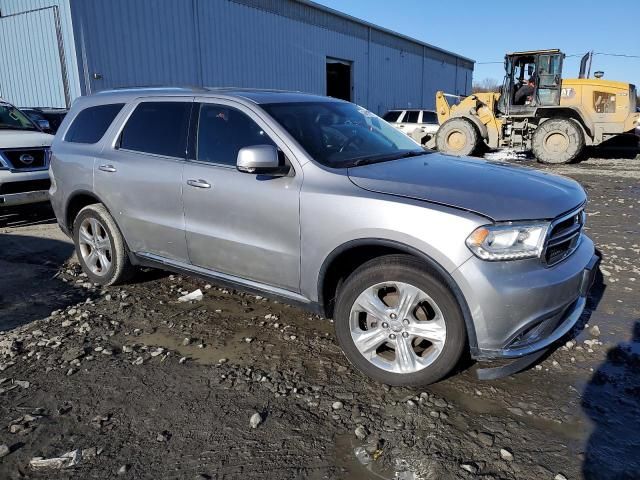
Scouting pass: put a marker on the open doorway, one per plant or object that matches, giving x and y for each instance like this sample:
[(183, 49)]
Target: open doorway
[(339, 79)]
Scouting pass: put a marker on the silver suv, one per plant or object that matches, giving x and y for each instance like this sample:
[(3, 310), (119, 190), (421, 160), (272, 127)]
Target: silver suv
[(417, 256)]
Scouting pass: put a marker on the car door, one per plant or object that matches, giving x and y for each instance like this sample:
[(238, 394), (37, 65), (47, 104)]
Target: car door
[(429, 122), (240, 224), (139, 176), (410, 121)]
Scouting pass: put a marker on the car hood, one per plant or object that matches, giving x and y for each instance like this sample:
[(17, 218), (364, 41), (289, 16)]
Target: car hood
[(499, 191), (24, 139)]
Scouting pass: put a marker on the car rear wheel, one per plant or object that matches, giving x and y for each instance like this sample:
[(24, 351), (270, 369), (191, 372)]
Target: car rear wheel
[(100, 248), (458, 136), (398, 323)]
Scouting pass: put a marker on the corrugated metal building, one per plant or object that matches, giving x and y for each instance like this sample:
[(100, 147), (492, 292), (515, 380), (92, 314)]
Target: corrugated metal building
[(52, 51)]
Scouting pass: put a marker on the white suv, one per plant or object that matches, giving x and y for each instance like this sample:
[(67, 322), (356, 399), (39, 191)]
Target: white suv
[(24, 162), (418, 124)]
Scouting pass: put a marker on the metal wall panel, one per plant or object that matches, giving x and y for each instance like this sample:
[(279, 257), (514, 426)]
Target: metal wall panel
[(133, 43), (249, 47), (31, 74), (250, 43)]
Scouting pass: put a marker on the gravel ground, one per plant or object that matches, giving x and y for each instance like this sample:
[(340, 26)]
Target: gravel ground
[(128, 382)]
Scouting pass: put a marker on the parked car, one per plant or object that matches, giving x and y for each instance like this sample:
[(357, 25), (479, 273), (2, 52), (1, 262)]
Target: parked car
[(416, 123), (417, 256), (24, 163), (48, 119)]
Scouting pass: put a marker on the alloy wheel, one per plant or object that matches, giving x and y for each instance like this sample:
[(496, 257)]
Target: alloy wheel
[(95, 246), (397, 327)]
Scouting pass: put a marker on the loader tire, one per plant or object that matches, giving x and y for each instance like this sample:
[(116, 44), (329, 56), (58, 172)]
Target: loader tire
[(557, 141), (458, 136)]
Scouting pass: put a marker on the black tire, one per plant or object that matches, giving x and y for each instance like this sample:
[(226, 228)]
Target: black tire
[(120, 268), (406, 269), (557, 141), (458, 136)]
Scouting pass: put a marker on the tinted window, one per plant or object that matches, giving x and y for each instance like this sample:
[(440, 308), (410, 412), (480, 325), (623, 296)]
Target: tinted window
[(429, 117), (159, 128), (342, 134), (411, 117), (392, 116), (91, 123), (223, 131)]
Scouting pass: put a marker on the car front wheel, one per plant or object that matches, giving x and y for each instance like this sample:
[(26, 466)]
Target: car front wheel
[(398, 323)]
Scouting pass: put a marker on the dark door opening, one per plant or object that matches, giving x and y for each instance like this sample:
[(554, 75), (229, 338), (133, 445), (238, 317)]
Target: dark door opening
[(339, 79)]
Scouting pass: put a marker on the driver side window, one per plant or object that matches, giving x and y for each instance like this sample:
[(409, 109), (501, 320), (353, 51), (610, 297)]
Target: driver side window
[(223, 131)]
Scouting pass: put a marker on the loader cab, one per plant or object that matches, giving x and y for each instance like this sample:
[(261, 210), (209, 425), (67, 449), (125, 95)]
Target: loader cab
[(543, 68)]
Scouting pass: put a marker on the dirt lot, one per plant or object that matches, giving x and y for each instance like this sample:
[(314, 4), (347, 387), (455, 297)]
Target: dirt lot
[(132, 384)]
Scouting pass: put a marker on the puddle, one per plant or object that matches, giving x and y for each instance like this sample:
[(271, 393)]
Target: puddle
[(357, 464), (234, 350), (576, 431)]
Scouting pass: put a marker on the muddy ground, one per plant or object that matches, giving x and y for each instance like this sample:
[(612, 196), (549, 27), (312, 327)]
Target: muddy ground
[(132, 384)]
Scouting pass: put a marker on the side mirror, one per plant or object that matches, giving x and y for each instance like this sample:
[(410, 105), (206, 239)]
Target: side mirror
[(261, 160), (43, 124)]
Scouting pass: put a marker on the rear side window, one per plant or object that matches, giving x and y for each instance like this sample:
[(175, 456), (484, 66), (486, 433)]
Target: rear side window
[(411, 117), (429, 117), (392, 116), (159, 128), (91, 123)]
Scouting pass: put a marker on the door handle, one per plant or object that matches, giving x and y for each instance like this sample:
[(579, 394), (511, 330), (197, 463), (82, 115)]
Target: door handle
[(199, 183), (108, 168)]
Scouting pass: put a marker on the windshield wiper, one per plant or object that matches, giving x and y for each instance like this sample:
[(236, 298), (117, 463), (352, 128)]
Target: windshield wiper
[(386, 157)]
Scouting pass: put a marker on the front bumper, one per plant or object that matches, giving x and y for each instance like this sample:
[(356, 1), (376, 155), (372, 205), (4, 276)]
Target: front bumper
[(25, 198), (522, 307), (23, 187)]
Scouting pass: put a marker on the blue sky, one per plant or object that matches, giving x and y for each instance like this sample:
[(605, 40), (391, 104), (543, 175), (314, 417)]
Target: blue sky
[(485, 31)]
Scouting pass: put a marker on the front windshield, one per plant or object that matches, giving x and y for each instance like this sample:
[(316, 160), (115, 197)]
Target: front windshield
[(340, 135), (13, 119)]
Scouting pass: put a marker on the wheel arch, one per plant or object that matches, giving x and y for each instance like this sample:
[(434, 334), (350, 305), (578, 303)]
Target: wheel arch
[(77, 202), (346, 258), (481, 127)]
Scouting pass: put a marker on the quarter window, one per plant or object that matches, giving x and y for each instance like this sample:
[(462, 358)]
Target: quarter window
[(392, 116), (159, 128), (223, 131), (90, 124)]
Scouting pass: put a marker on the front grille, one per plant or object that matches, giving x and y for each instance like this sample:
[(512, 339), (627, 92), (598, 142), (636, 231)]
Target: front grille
[(563, 237), (26, 159), (24, 187)]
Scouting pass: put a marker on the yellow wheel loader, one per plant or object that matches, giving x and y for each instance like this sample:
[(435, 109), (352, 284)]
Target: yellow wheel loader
[(537, 110)]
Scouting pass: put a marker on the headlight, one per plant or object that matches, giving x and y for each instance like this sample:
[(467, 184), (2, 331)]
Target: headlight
[(3, 163), (508, 242)]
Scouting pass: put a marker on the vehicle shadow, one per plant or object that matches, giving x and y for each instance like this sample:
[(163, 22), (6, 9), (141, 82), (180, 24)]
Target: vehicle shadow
[(27, 215), (30, 287), (611, 399), (611, 152)]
